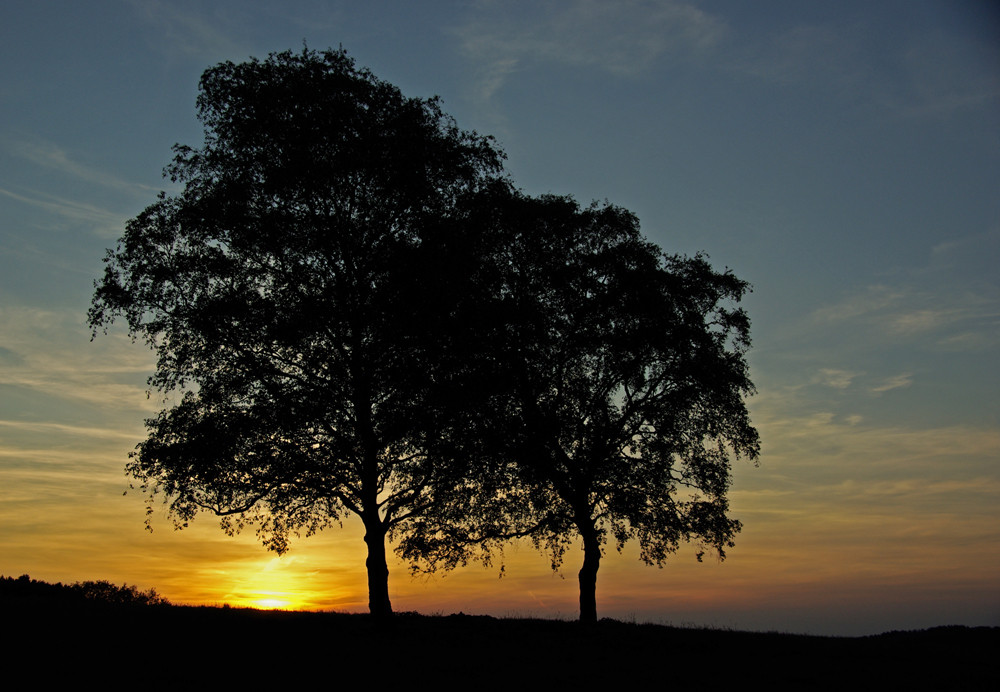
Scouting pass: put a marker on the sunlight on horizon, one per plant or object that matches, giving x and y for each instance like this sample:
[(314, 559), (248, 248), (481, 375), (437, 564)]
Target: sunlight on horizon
[(275, 601), (275, 585)]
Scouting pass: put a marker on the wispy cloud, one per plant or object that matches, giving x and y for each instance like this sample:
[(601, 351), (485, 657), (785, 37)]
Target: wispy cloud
[(48, 155), (49, 355), (971, 341), (50, 428), (844, 379), (949, 317), (838, 379), (866, 302), (624, 37), (105, 223), (968, 246), (801, 435), (202, 34), (924, 320), (895, 382)]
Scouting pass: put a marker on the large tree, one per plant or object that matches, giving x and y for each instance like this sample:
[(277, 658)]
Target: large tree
[(613, 401), (287, 291)]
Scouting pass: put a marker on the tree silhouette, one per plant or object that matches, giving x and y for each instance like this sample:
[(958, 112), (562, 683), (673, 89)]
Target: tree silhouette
[(285, 291), (612, 398)]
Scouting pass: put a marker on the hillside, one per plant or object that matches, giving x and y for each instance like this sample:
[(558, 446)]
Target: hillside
[(59, 637)]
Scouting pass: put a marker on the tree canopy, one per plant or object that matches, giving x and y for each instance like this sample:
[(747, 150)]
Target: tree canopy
[(285, 291), (354, 312), (618, 378)]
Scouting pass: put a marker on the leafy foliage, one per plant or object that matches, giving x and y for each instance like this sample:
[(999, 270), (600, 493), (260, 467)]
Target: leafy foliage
[(617, 401), (282, 295)]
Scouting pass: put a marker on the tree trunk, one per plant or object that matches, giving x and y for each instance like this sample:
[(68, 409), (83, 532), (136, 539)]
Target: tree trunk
[(378, 570), (588, 574)]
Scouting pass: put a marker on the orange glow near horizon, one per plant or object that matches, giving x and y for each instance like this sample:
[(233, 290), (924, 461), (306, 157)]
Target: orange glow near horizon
[(274, 583), (275, 600)]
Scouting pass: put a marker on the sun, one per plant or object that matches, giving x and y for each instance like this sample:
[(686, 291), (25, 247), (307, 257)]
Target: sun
[(274, 602), (273, 585), (269, 599)]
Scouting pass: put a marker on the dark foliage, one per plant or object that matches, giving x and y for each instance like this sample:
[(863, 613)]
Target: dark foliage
[(612, 380), (26, 589), (283, 291)]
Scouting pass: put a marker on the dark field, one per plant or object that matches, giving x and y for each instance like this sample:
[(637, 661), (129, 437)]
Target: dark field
[(53, 637)]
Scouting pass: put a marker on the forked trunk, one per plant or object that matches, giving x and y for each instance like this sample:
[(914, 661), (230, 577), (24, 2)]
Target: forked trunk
[(588, 575), (378, 571)]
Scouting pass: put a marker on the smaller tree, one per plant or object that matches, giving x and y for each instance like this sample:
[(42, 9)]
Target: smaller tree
[(612, 398)]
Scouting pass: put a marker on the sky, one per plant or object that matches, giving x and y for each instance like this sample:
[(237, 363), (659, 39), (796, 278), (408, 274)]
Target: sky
[(844, 158)]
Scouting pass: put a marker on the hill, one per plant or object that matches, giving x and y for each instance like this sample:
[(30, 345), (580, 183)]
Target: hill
[(60, 637)]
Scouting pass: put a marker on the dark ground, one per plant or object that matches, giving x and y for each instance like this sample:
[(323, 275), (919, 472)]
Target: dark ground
[(55, 639)]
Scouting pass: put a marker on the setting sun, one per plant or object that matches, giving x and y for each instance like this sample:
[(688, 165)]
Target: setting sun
[(272, 603), (275, 583)]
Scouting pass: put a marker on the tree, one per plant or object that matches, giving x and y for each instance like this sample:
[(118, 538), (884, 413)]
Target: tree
[(283, 293), (618, 392)]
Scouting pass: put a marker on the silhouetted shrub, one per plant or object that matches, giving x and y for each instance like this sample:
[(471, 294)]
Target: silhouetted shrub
[(106, 592), (24, 587)]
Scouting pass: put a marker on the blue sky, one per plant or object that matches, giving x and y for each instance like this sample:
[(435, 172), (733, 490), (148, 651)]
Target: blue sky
[(842, 157)]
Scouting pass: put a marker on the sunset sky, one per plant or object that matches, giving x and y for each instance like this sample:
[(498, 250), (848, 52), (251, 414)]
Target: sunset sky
[(842, 157)]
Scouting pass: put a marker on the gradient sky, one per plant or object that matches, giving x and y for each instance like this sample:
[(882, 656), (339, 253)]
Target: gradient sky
[(843, 157)]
